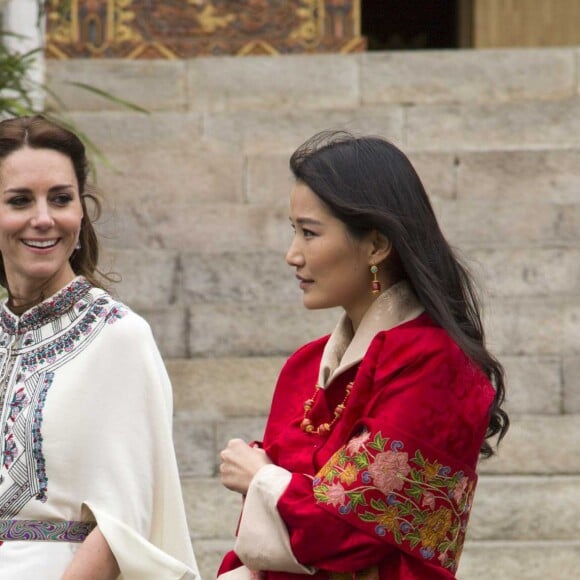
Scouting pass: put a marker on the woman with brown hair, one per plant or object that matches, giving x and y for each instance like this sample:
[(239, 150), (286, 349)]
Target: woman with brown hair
[(89, 486)]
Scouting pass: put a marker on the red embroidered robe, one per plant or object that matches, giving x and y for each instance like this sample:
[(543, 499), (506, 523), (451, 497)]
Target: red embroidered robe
[(387, 493)]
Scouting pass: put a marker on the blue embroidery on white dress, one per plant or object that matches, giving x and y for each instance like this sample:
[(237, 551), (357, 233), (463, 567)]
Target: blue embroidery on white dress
[(33, 348)]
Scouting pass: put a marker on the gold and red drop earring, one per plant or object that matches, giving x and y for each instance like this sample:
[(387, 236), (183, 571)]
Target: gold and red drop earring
[(375, 284)]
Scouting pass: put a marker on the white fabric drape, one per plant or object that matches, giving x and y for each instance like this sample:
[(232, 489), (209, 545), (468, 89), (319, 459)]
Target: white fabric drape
[(106, 447)]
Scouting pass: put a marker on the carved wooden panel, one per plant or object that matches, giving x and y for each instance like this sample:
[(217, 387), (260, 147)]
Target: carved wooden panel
[(501, 23), (184, 28)]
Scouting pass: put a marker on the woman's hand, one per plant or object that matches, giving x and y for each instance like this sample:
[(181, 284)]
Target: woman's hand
[(240, 462)]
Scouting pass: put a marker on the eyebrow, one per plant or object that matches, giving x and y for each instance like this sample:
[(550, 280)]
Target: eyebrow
[(308, 221), (53, 189)]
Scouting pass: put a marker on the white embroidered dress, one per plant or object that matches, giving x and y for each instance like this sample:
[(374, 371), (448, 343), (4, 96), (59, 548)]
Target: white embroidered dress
[(85, 418)]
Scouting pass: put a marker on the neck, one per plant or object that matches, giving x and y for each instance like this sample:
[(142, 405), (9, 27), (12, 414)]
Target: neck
[(356, 315), (345, 348), (19, 303), (25, 294)]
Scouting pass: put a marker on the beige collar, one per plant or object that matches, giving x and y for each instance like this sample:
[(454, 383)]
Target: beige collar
[(394, 306)]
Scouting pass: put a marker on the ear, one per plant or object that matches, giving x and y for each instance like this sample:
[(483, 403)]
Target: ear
[(380, 247)]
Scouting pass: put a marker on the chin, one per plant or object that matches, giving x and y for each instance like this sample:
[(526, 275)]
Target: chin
[(310, 304)]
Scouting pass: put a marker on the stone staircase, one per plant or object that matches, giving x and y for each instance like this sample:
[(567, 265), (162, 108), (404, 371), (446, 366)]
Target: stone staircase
[(196, 222)]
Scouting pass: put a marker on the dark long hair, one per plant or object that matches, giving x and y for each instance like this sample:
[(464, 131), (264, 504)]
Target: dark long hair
[(369, 184), (39, 133)]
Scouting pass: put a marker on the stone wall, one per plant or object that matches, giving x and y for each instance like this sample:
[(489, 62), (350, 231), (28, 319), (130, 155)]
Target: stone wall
[(196, 222)]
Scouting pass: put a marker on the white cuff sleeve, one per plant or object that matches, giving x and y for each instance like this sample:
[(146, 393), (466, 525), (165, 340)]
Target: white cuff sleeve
[(137, 558), (263, 542)]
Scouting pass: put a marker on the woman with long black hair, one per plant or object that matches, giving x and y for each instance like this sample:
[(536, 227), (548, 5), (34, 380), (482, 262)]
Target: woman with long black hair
[(367, 465)]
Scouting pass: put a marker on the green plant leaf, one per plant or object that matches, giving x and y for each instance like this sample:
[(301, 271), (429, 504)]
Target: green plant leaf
[(109, 96)]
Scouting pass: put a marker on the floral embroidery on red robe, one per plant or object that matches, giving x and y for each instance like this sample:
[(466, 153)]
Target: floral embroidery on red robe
[(422, 505)]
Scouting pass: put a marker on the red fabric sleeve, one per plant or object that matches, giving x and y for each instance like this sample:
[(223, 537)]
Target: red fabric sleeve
[(318, 538), (405, 481), (230, 562)]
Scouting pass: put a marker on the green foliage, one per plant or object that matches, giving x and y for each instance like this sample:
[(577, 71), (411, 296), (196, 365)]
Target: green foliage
[(15, 85), (17, 88)]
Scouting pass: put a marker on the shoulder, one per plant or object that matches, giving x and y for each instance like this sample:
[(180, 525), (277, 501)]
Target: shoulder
[(419, 343), (126, 339), (120, 321), (309, 353)]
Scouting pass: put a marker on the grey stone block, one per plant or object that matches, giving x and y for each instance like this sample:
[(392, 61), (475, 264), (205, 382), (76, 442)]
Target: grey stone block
[(537, 444), (151, 84), (269, 180), (525, 176), (213, 513), (209, 554), (556, 560), (231, 277), (271, 132), (533, 384), (215, 388), (255, 329), (515, 508), (146, 276), (541, 326), (120, 130), (499, 224), (437, 172), (569, 224), (205, 228), (499, 126), (171, 176), (169, 327), (195, 444), (285, 82), (469, 76), (248, 429), (528, 271), (212, 510), (571, 378)]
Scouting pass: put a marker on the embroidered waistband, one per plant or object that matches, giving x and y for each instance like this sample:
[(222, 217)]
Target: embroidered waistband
[(44, 531)]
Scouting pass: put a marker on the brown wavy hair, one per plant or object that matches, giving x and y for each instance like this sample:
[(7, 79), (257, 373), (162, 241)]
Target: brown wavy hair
[(38, 132)]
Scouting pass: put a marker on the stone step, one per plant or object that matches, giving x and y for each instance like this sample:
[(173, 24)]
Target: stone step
[(467, 127), (335, 81), (534, 327), (220, 388), (150, 154), (506, 508), (253, 229), (218, 399), (181, 154), (536, 175), (232, 277), (205, 295), (557, 560), (509, 513), (517, 508), (541, 440), (538, 444), (535, 445), (210, 388)]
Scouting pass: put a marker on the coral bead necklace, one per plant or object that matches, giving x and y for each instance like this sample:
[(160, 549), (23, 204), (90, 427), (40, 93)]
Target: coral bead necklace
[(323, 428)]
